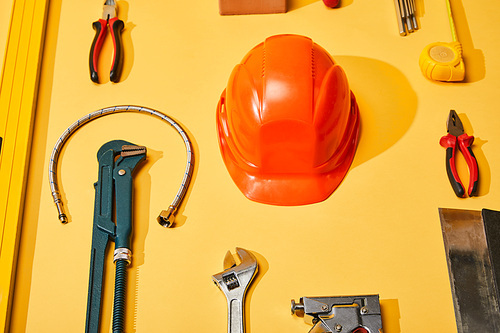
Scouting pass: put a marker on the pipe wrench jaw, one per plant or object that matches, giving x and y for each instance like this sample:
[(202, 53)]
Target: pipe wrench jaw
[(121, 148), (118, 160), (132, 150)]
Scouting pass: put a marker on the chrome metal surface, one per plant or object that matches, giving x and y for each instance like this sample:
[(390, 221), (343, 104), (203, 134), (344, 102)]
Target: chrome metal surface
[(234, 282), (340, 314), (122, 253), (472, 279)]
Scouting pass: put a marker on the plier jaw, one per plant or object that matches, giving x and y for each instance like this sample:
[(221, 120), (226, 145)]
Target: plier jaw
[(101, 27), (457, 137), (109, 10)]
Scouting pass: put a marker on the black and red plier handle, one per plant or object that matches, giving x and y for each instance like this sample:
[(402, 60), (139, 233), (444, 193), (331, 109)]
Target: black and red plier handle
[(464, 143), (101, 26)]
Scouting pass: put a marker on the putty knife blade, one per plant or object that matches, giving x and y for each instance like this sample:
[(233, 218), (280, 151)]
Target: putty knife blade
[(472, 276)]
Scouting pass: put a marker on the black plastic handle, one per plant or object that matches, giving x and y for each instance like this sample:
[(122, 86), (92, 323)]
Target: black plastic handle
[(465, 143), (474, 173), (100, 28), (451, 170), (116, 26)]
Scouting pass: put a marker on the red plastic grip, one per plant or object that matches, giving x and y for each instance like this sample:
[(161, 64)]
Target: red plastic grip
[(450, 143), (100, 28), (465, 142)]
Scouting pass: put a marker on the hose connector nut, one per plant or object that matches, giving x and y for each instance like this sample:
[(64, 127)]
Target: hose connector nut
[(63, 218), (167, 217), (122, 253)]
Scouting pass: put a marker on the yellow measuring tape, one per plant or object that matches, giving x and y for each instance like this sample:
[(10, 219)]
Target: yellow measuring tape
[(443, 61), (18, 94)]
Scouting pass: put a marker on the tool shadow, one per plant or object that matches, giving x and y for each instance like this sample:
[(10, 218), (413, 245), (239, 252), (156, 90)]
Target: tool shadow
[(387, 104), (482, 162), (128, 46), (143, 220), (263, 268), (142, 198), (475, 68), (419, 8), (390, 315)]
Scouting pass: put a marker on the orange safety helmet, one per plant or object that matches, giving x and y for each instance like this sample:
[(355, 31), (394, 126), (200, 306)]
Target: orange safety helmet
[(287, 123)]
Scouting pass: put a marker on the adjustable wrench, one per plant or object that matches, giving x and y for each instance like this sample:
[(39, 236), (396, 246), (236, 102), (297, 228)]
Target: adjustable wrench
[(113, 197), (234, 282)]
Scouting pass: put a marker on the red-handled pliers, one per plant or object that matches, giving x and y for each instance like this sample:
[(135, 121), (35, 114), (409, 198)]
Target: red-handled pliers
[(101, 26), (457, 137)]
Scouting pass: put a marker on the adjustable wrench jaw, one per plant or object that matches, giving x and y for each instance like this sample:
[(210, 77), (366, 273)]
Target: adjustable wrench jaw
[(113, 198), (234, 282), (235, 279)]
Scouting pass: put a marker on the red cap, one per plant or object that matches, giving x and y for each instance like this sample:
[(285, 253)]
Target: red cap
[(331, 3)]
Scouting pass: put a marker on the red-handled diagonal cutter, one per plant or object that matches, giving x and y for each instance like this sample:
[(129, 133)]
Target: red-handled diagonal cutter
[(101, 26), (456, 137)]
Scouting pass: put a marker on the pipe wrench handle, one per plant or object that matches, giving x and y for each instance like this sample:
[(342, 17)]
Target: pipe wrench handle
[(103, 229), (94, 300)]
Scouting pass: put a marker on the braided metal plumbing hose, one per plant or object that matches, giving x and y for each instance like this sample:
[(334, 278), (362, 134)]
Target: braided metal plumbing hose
[(166, 217)]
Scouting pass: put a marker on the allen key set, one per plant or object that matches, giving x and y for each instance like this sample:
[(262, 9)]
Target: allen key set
[(405, 14)]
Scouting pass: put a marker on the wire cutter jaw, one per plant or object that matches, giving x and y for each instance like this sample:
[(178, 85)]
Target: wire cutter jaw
[(109, 10), (454, 125)]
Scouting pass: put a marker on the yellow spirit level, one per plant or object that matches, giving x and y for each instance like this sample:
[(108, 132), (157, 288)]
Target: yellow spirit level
[(18, 94)]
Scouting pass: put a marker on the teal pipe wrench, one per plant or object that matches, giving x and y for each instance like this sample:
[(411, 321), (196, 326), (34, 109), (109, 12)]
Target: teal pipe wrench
[(113, 201)]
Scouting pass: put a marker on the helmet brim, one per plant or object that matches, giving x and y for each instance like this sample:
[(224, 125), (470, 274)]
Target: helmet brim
[(286, 189)]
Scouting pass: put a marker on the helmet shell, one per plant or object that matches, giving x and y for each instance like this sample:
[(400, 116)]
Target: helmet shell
[(287, 123)]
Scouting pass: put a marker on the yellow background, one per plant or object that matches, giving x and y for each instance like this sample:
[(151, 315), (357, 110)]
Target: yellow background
[(5, 11), (379, 232)]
